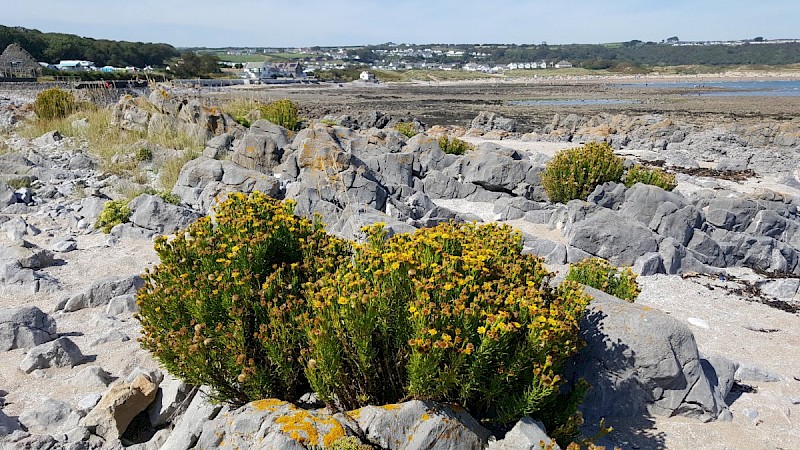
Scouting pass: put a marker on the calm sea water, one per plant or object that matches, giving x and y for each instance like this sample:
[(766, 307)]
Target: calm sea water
[(771, 88)]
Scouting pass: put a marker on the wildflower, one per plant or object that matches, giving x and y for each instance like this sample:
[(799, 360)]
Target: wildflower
[(342, 300), (481, 329), (432, 331)]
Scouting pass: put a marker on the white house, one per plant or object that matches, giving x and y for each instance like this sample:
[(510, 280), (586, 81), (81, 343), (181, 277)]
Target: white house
[(563, 64), (366, 76)]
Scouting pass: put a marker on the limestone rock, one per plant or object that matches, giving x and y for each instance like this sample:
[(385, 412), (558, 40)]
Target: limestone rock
[(111, 416), (49, 417), (25, 327), (638, 358), (153, 213), (418, 425), (61, 352), (102, 291), (527, 434), (189, 426)]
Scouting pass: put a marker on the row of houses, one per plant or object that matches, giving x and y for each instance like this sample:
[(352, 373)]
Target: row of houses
[(266, 70)]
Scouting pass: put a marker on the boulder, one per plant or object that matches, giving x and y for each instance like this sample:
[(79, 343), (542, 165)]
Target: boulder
[(257, 151), (122, 304), (272, 424), (61, 352), (612, 236), (8, 425), (637, 359), (202, 181), (527, 434), (489, 121), (172, 393), (552, 252), (188, 427), (153, 213), (120, 404), (421, 425), (102, 291), (281, 136), (27, 255), (494, 167), (50, 417), (785, 289), (642, 201), (354, 217), (733, 214), (25, 327)]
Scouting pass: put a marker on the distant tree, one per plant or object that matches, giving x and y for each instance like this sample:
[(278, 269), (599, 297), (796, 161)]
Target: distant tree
[(191, 64), (758, 39), (673, 39)]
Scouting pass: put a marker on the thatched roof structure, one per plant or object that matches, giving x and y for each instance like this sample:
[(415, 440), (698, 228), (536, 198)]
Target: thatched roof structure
[(16, 62)]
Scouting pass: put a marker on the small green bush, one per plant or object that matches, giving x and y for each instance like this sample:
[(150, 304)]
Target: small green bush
[(454, 146), (654, 176), (406, 128), (144, 154), (283, 113), (54, 104), (114, 213), (225, 306), (168, 197), (600, 274), (574, 173), (19, 183)]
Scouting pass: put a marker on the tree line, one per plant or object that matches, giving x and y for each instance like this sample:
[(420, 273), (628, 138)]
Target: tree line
[(602, 56), (54, 47)]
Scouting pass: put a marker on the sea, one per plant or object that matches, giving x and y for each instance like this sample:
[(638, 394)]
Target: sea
[(766, 88)]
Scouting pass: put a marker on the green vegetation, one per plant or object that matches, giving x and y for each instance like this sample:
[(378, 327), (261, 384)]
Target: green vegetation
[(144, 154), (258, 303), (574, 173), (283, 113), (650, 175), (54, 104), (167, 196), (190, 65), (54, 47), (114, 213), (406, 128), (600, 274), (225, 307), (454, 145)]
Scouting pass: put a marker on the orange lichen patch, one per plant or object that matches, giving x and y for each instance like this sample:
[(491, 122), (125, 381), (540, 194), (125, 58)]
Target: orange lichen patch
[(355, 414), (305, 428), (391, 406), (425, 417), (269, 404), (296, 423), (334, 434)]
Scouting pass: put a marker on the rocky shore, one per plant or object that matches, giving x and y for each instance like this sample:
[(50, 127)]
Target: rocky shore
[(699, 361)]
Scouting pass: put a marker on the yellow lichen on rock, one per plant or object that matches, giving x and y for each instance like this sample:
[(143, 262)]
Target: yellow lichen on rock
[(269, 404)]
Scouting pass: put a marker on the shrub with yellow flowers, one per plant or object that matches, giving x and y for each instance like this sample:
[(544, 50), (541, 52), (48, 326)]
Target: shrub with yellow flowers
[(225, 306), (453, 313), (574, 173)]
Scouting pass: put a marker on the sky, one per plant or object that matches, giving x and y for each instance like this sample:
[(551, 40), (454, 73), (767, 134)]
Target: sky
[(300, 23)]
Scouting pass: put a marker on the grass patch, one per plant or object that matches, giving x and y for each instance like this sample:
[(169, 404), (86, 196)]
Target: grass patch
[(168, 175)]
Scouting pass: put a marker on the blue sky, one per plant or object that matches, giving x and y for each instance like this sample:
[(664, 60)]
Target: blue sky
[(219, 23)]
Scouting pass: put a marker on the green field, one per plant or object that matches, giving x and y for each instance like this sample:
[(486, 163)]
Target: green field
[(240, 58)]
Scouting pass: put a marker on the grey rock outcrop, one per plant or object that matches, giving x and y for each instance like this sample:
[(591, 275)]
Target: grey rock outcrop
[(61, 352), (25, 327), (489, 121), (102, 291), (639, 358), (421, 425), (612, 236), (153, 213), (202, 181)]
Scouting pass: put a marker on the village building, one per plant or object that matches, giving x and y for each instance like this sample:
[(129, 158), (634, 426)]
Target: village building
[(16, 62), (367, 76), (282, 70), (71, 65), (563, 65)]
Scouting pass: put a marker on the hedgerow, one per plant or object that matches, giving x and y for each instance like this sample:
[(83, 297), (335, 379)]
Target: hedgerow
[(258, 303)]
